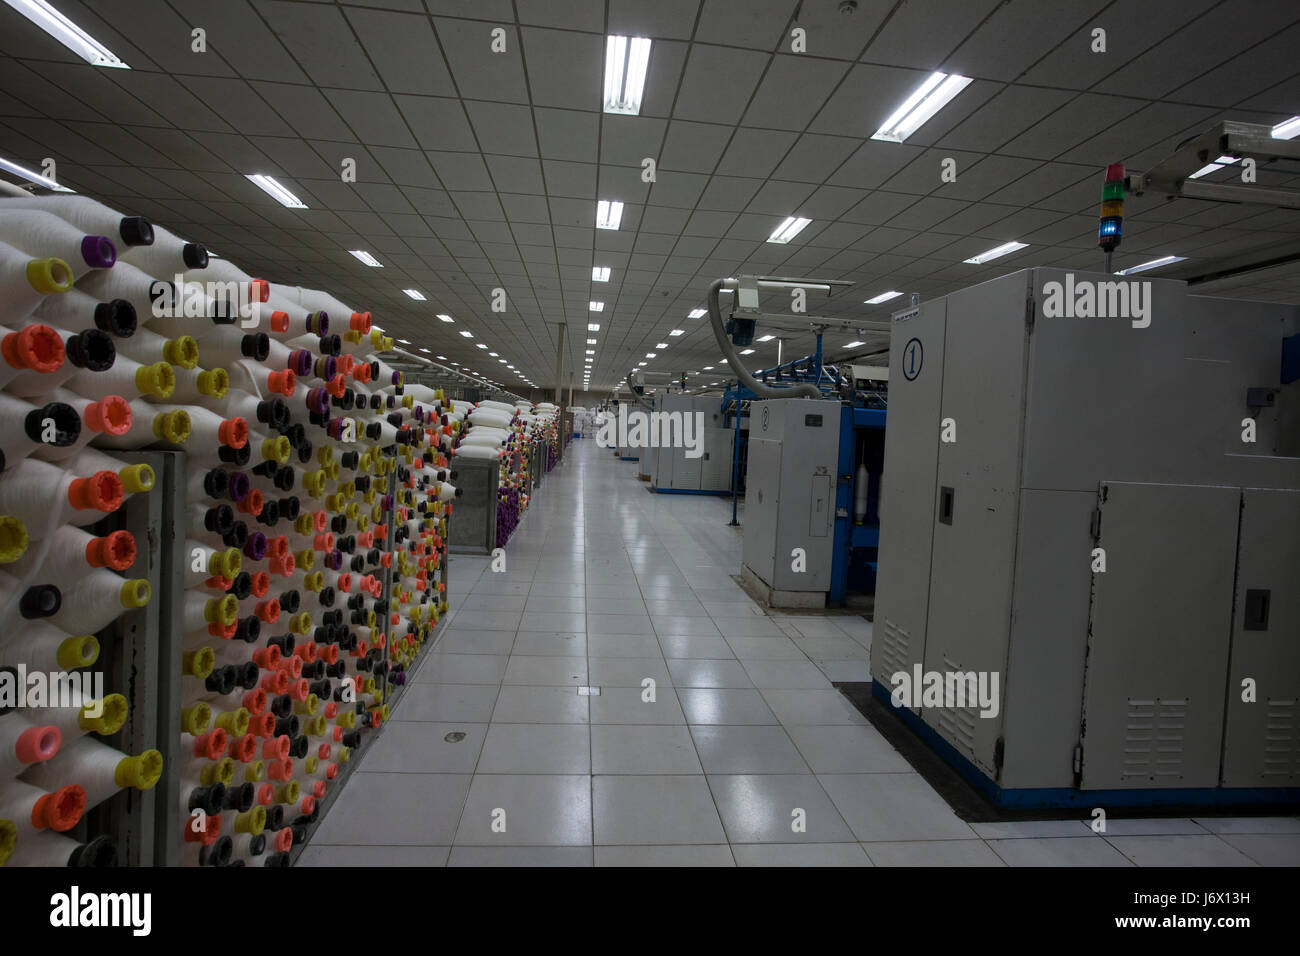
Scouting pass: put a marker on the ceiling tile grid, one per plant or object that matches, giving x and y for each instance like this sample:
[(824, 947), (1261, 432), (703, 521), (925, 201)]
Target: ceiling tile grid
[(479, 170)]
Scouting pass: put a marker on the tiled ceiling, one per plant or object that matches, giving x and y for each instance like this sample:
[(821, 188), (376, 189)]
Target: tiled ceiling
[(479, 170)]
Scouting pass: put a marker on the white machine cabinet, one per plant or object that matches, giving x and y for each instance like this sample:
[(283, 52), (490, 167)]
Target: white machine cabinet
[(790, 499), (1074, 438)]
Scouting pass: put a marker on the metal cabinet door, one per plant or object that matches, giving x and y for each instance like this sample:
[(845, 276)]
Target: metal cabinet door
[(1158, 647), (1261, 745), (907, 490)]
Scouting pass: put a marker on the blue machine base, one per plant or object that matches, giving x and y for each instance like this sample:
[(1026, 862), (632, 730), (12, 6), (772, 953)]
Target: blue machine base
[(621, 458), (1061, 797), (689, 491)]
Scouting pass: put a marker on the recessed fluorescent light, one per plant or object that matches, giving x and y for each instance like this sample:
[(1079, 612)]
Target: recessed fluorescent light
[(590, 351), (788, 229), (480, 345), (853, 345), (708, 368), (593, 326), (697, 313), (502, 361), (277, 192), (609, 213), (34, 176), (1217, 164), (443, 357), (662, 345), (766, 338), (467, 334), (445, 318), (600, 273), (1287, 129), (424, 350), (595, 306), (626, 60), (591, 341), (640, 364), (747, 352), (1153, 264), (651, 354), (677, 332), (415, 294), (928, 98), (494, 354), (68, 33), (883, 297), (996, 252), (367, 258)]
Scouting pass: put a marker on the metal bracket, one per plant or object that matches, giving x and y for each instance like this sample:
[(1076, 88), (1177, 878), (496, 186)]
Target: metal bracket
[(1228, 138)]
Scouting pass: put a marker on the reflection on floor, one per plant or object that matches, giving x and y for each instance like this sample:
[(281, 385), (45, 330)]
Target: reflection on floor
[(738, 752)]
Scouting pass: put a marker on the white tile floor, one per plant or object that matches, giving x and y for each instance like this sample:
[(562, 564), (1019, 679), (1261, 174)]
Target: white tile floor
[(608, 586)]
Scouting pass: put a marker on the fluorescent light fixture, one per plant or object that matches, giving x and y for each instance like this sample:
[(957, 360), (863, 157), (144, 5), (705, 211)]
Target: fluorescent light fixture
[(502, 361), (609, 213), (367, 258), (853, 345), (626, 60), (404, 341), (747, 352), (1153, 264), (277, 192), (788, 229), (677, 332), (995, 253), (926, 100), (494, 354), (591, 341), (708, 368), (661, 345), (595, 306), (590, 351), (883, 297), (68, 33), (593, 326), (442, 357), (1217, 164), (480, 345), (415, 294), (466, 333), (697, 313), (652, 355), (766, 338), (640, 364), (34, 176), (1287, 129), (424, 350), (600, 273), (445, 318)]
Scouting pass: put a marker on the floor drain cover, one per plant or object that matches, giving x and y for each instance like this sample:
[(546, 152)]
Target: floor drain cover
[(455, 737)]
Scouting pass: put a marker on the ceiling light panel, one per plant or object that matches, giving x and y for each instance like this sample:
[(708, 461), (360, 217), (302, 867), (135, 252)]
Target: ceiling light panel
[(626, 62), (792, 226), (68, 33), (927, 99), (272, 188)]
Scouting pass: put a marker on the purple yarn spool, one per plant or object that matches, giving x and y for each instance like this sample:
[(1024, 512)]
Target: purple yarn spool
[(98, 252), (238, 486), (255, 546)]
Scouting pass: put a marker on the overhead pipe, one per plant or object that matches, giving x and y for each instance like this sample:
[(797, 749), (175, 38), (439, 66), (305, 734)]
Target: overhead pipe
[(637, 395), (729, 352)]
